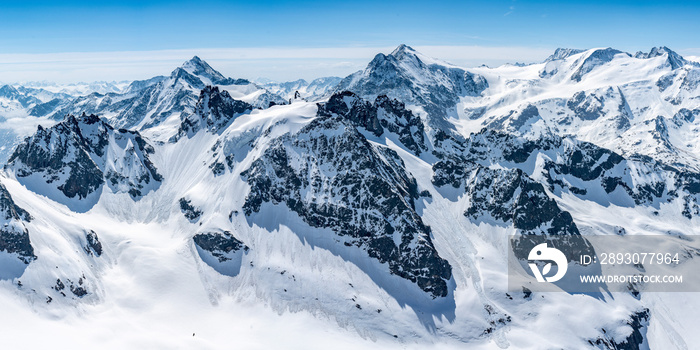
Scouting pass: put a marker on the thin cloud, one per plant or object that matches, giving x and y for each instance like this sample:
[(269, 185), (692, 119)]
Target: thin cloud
[(510, 10), (275, 63)]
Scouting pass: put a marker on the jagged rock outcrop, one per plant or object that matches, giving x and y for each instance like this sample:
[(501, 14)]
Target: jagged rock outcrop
[(14, 236), (562, 53), (593, 60), (93, 245), (333, 178), (673, 59), (214, 111), (384, 115), (581, 168), (415, 79), (609, 103), (191, 212), (79, 155), (145, 104), (221, 245), (634, 341)]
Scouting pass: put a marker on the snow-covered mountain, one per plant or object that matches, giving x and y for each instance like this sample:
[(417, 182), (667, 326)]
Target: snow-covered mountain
[(139, 105), (71, 161), (317, 89), (147, 104), (207, 210), (78, 89), (16, 99), (417, 80)]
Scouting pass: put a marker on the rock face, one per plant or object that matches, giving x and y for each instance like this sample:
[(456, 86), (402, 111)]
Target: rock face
[(221, 251), (190, 212), (385, 115), (565, 165), (214, 111), (79, 155), (199, 68), (24, 100), (14, 236), (504, 197), (333, 178), (219, 244), (609, 103), (148, 103), (93, 246), (634, 341), (79, 290), (673, 59), (415, 79), (593, 60), (562, 53), (511, 196)]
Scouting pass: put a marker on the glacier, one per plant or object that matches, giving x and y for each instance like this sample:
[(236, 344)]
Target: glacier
[(196, 210)]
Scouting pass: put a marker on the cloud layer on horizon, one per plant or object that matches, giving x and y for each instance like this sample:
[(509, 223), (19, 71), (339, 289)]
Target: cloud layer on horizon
[(279, 64)]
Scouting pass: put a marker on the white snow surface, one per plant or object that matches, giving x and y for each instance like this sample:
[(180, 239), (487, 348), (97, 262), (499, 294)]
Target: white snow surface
[(151, 288)]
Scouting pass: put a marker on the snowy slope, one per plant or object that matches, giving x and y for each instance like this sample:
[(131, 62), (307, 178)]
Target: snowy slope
[(637, 106), (428, 85), (78, 89), (162, 100), (317, 89), (373, 218)]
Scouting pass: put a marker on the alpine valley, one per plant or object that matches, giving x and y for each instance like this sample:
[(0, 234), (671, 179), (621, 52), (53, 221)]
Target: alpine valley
[(370, 211)]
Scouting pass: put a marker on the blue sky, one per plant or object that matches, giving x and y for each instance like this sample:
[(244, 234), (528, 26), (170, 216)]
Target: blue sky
[(530, 28)]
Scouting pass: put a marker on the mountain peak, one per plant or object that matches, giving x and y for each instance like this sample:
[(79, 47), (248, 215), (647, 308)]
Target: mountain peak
[(402, 50), (195, 61), (674, 59), (215, 109), (562, 53), (199, 67)]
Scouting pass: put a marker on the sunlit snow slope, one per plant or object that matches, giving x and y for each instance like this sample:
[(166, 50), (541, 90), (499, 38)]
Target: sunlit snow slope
[(199, 211)]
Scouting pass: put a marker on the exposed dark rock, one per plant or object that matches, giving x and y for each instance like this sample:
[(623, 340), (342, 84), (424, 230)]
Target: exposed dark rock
[(353, 108), (591, 105), (562, 53), (515, 120), (77, 147), (687, 115), (384, 115), (595, 59), (562, 158), (673, 59), (45, 108), (14, 237), (59, 285), (219, 244), (190, 212), (403, 75), (634, 341), (217, 168), (665, 82), (78, 291), (93, 247), (360, 191), (214, 111)]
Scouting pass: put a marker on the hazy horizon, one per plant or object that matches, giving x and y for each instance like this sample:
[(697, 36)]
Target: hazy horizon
[(275, 64), (74, 40)]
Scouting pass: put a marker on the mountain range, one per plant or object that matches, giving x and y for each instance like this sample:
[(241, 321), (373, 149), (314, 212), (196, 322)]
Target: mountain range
[(371, 210)]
